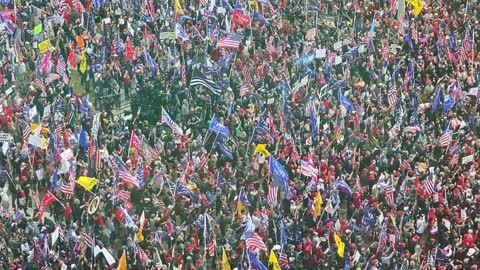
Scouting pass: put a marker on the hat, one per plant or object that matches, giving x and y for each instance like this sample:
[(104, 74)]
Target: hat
[(470, 252), (276, 247)]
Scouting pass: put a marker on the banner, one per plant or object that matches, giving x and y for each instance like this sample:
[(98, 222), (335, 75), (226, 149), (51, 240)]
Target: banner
[(95, 125), (241, 19), (44, 46), (167, 35), (6, 138)]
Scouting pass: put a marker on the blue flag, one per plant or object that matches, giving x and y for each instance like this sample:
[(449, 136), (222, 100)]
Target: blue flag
[(343, 187), (368, 220), (255, 262), (283, 235), (313, 125), (217, 127), (345, 101), (141, 175), (227, 60), (448, 103), (85, 104), (436, 99), (226, 151), (83, 139), (279, 174)]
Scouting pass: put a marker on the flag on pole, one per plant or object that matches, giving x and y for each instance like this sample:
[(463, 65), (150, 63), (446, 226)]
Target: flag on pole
[(225, 260), (83, 63), (122, 264), (272, 259), (318, 204), (87, 182), (216, 126), (135, 142), (166, 119), (178, 8), (389, 195), (340, 245), (47, 200), (261, 148)]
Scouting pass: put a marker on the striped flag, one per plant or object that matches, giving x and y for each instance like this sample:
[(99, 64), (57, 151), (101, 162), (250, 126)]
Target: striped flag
[(389, 195), (39, 85), (123, 172), (26, 133), (270, 49), (412, 129), (246, 89), (123, 195), (51, 77), (141, 254), (454, 160), (429, 185), (231, 41), (199, 79), (247, 73), (272, 195), (68, 190), (283, 260), (61, 67), (166, 119), (446, 138), (392, 96), (87, 237), (212, 246), (252, 239), (338, 133)]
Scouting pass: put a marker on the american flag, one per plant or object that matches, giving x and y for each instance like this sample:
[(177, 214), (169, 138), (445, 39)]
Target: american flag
[(39, 85), (141, 254), (231, 41), (272, 195), (412, 129), (87, 237), (204, 2), (338, 133), (429, 185), (270, 49), (253, 240), (389, 194), (26, 133), (51, 77), (247, 73), (69, 189), (307, 169), (212, 247), (461, 55), (392, 96), (385, 52), (283, 260), (61, 69), (454, 160), (123, 195), (124, 174), (246, 89), (393, 132), (203, 159), (446, 138), (393, 6), (57, 3), (61, 235)]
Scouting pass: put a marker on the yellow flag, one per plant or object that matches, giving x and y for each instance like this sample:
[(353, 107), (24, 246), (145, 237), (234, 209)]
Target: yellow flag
[(272, 259), (225, 262), (240, 206), (318, 204), (122, 264), (254, 4), (45, 142), (178, 8), (83, 63), (261, 148), (340, 245), (87, 182), (417, 6), (34, 127), (140, 237)]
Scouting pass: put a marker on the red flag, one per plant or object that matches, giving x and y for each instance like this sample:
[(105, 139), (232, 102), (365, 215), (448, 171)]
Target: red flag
[(71, 56), (241, 19), (129, 52), (135, 142), (48, 199)]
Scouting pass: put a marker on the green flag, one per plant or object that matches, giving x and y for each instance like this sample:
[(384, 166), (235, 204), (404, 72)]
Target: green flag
[(38, 28)]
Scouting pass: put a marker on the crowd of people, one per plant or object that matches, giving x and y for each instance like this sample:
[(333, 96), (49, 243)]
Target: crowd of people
[(262, 134)]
